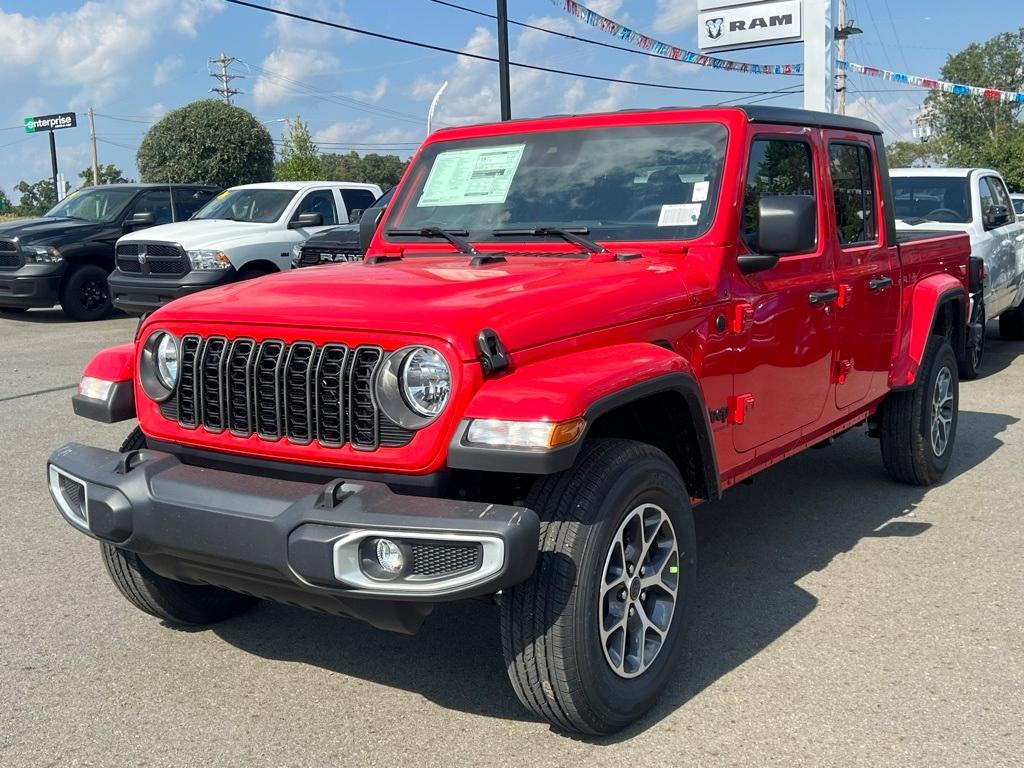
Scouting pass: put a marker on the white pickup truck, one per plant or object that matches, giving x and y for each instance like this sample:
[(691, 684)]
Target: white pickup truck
[(975, 201), (242, 233)]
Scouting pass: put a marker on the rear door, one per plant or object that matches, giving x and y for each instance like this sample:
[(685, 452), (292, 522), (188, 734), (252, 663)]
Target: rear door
[(1005, 261), (783, 370), (866, 312)]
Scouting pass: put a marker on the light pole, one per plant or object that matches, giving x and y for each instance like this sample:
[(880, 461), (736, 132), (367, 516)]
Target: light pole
[(433, 105), (503, 78), (923, 131)]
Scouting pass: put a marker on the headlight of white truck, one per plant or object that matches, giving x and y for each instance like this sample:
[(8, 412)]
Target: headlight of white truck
[(204, 260)]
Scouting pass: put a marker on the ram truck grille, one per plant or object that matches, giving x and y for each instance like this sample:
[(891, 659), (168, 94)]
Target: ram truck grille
[(10, 258), (164, 259), (300, 391)]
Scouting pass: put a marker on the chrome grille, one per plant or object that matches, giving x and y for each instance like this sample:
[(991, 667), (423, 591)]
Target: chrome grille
[(300, 391)]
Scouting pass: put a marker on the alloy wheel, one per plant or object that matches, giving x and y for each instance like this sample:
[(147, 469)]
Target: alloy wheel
[(942, 410)]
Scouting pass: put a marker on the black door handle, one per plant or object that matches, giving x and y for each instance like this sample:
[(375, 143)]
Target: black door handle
[(821, 297), (879, 283)]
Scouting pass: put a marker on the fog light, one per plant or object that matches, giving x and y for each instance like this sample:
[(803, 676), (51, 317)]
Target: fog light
[(389, 556)]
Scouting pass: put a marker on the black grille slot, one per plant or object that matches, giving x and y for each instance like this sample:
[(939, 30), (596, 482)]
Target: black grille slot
[(238, 386), (188, 414), (165, 268), (444, 559), (267, 385), (211, 382), (9, 256), (329, 372), (298, 394), (158, 251), (361, 406), (299, 391), (128, 257), (8, 246)]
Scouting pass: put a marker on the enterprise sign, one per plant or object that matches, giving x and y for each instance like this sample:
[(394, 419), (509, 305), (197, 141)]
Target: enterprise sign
[(724, 25), (50, 122)]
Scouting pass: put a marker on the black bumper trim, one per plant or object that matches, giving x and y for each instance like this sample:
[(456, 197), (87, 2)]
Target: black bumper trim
[(191, 523), (29, 291), (137, 295), (119, 405)]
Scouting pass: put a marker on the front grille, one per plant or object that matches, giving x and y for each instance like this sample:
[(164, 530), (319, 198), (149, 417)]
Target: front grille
[(444, 559), (300, 391), (164, 259), (9, 256)]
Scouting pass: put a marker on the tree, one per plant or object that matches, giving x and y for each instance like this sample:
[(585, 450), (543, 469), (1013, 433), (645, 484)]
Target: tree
[(5, 202), (382, 170), (36, 199), (109, 174), (207, 142), (976, 131), (300, 157), (907, 154)]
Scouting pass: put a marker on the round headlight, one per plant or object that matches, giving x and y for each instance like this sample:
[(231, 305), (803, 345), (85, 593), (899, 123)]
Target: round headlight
[(426, 381), (167, 360)]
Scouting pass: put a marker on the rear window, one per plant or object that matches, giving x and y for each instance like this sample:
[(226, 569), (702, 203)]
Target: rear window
[(944, 199)]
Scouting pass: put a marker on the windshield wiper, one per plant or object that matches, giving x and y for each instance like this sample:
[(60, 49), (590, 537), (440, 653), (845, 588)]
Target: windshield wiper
[(453, 236), (569, 234)]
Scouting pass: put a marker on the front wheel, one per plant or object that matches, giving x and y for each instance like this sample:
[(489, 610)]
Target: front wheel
[(591, 638), (85, 296), (919, 425)]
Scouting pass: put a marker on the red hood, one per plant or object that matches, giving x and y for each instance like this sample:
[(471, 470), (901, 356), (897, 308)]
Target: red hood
[(528, 300)]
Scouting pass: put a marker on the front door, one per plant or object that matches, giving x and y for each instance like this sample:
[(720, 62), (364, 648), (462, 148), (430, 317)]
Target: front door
[(867, 310), (783, 379)]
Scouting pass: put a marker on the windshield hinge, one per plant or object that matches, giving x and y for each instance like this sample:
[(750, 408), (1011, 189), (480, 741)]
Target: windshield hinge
[(486, 258), (493, 357)]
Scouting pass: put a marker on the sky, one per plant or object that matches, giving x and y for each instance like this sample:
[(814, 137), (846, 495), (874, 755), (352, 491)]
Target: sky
[(133, 60)]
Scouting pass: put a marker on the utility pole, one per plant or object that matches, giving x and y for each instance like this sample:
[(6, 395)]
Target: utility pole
[(841, 54), (225, 89), (503, 79), (95, 158)]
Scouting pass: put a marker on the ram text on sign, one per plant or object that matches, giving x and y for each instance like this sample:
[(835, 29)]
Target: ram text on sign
[(50, 122), (750, 26)]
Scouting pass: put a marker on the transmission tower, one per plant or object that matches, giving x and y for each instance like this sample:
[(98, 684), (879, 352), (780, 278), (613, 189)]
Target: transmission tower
[(225, 78)]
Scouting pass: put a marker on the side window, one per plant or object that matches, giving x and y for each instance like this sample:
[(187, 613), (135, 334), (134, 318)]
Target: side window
[(777, 167), (853, 183), (188, 201), (987, 201), (357, 200), (319, 201), (157, 202)]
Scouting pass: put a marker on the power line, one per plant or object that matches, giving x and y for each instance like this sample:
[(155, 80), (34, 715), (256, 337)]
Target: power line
[(481, 57), (225, 89)]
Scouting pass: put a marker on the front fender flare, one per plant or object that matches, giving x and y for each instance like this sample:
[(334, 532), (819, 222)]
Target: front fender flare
[(117, 366), (584, 384)]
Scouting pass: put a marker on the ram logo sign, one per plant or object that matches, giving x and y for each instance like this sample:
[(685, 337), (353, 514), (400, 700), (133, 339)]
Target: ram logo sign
[(749, 26)]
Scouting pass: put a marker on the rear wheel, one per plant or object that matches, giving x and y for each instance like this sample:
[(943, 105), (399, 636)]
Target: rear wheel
[(170, 600), (919, 425), (591, 638), (1011, 324), (84, 295)]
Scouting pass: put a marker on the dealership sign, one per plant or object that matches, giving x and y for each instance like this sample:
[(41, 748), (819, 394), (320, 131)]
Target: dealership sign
[(50, 122), (724, 25)]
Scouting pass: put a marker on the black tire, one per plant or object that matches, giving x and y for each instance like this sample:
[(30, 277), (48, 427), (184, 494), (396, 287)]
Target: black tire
[(975, 353), (908, 451), (555, 656), (170, 600), (13, 310), (85, 295), (251, 273), (1011, 324)]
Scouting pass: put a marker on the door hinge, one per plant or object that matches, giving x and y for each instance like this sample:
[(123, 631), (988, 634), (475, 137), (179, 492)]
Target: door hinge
[(738, 407)]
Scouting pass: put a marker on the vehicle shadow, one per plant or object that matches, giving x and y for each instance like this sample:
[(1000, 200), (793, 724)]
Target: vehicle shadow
[(999, 354), (55, 316), (754, 547)]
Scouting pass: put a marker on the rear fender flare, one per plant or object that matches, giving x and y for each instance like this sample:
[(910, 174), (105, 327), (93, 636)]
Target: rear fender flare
[(928, 298)]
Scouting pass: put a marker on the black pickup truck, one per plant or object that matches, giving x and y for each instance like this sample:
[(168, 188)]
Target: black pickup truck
[(344, 243), (65, 256)]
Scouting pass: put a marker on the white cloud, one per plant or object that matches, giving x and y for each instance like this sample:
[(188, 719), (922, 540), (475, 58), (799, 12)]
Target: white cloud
[(365, 132), (894, 115), (166, 69), (604, 7), (192, 12), (378, 92), (155, 111), (285, 71), (674, 15)]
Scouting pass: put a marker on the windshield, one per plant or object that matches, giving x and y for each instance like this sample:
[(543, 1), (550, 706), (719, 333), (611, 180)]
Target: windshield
[(94, 203), (944, 199), (261, 206), (657, 182)]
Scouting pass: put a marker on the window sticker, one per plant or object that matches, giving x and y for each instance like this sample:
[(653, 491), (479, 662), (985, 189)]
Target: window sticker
[(679, 215), (700, 191), (471, 176)]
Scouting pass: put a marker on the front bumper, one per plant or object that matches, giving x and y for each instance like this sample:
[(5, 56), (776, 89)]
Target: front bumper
[(31, 286), (138, 295), (291, 541)]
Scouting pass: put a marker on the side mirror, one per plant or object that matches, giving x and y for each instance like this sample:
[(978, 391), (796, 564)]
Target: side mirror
[(307, 220), (355, 215), (785, 224), (140, 220), (997, 216), (368, 226)]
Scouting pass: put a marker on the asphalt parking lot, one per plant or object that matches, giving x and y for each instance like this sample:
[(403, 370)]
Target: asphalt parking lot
[(841, 620)]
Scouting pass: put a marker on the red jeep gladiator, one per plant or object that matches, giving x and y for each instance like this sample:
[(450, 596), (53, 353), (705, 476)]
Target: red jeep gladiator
[(565, 333)]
